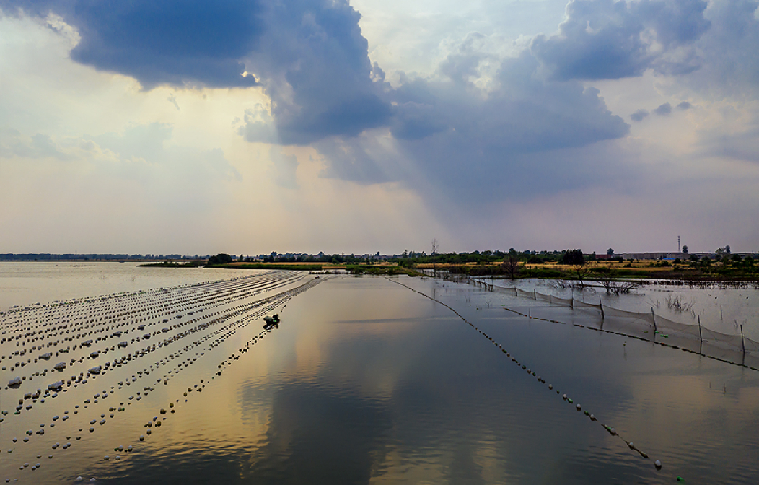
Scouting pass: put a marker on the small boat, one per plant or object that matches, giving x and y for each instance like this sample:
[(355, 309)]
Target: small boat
[(271, 322)]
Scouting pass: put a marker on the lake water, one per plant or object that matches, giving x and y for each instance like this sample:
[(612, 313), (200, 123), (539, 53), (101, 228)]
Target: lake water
[(365, 380), (27, 283)]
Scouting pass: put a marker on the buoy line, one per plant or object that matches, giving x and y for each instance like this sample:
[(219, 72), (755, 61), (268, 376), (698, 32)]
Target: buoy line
[(30, 336), (127, 358), (631, 445), (287, 296), (246, 312)]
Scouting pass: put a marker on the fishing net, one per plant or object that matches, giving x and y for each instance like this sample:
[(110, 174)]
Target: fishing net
[(697, 338)]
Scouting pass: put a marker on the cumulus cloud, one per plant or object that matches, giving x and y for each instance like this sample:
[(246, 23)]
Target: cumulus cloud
[(730, 57), (39, 145), (663, 109), (259, 126), (612, 39), (639, 115), (685, 105)]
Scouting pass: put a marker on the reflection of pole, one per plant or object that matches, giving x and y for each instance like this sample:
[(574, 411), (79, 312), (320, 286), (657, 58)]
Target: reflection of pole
[(601, 306), (572, 302), (653, 318), (699, 329), (700, 338), (743, 347)]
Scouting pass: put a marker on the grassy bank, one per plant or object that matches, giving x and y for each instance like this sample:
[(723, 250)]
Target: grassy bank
[(640, 270), (381, 270)]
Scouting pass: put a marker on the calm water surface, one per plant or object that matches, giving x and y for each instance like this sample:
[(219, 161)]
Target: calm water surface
[(367, 381)]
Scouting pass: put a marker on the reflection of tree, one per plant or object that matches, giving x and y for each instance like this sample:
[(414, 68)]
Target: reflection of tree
[(611, 285)]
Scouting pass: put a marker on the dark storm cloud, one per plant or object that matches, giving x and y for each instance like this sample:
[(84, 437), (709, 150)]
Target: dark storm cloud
[(174, 42), (314, 64), (471, 143), (536, 118), (607, 39), (362, 159), (309, 55)]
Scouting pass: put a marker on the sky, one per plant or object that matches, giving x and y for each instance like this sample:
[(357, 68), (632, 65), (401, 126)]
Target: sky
[(251, 126)]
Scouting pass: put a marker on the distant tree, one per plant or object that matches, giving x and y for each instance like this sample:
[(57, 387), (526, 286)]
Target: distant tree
[(685, 249), (610, 252), (241, 258), (573, 257), (727, 249), (511, 265), (433, 254), (221, 258)]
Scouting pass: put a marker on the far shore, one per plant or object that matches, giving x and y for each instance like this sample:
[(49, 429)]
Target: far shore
[(590, 271)]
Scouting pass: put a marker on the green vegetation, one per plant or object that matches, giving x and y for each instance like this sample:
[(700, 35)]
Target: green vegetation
[(568, 264), (218, 259), (504, 270), (573, 257), (381, 270), (726, 266)]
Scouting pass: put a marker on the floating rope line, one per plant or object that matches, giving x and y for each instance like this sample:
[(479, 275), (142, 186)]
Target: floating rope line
[(578, 407)]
